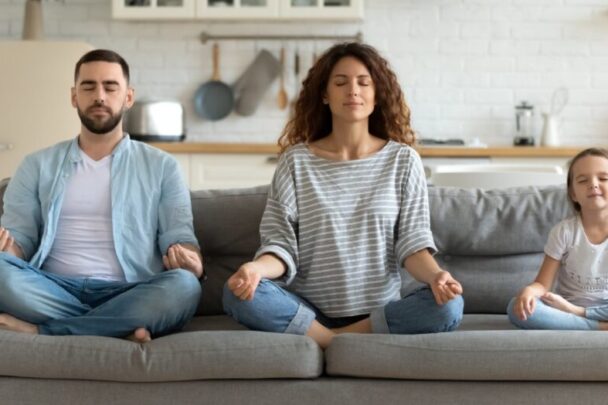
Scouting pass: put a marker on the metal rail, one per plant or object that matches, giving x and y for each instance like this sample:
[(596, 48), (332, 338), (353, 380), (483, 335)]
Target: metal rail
[(358, 37)]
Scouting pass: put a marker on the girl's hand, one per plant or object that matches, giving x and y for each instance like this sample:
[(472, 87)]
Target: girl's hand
[(445, 287), (525, 304), (245, 281)]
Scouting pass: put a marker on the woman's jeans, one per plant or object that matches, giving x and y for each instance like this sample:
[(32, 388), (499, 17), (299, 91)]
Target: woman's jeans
[(61, 305), (273, 309), (547, 317)]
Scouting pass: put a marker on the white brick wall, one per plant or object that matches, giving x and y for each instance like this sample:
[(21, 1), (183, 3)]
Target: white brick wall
[(463, 64)]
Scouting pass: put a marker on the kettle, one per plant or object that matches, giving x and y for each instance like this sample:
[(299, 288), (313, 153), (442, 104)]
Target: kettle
[(524, 115)]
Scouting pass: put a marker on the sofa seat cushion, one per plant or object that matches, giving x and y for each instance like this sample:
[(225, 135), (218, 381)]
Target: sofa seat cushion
[(199, 355), (485, 349)]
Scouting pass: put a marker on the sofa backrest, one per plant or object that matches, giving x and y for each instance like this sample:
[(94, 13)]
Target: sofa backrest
[(492, 241)]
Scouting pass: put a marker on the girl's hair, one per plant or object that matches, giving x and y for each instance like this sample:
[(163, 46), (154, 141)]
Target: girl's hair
[(601, 152), (311, 120)]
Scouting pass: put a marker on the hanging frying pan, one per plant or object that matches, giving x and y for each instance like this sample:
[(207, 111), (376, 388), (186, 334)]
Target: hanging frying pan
[(214, 100)]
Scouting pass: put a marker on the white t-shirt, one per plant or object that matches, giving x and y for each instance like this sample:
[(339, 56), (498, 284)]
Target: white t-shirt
[(583, 276), (84, 244)]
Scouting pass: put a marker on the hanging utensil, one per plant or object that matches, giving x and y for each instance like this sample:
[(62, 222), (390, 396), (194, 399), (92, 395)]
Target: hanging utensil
[(559, 100), (250, 87), (296, 76), (282, 98), (214, 99)]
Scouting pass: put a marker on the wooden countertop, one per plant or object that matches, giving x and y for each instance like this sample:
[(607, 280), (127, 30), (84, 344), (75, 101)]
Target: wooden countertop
[(425, 151)]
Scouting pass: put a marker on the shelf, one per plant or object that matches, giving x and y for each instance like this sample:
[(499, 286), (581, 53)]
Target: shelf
[(425, 151)]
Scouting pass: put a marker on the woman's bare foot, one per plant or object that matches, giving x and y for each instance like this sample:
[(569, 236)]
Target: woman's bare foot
[(559, 302), (141, 335), (9, 322)]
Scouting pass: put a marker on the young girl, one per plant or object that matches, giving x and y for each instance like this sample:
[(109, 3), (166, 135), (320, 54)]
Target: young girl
[(347, 207), (577, 254)]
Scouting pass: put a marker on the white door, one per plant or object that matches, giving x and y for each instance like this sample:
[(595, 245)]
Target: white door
[(35, 108)]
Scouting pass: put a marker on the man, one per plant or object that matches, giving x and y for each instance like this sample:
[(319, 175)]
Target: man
[(90, 224)]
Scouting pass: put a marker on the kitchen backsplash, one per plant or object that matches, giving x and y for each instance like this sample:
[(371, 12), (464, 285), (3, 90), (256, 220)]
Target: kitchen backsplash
[(463, 64)]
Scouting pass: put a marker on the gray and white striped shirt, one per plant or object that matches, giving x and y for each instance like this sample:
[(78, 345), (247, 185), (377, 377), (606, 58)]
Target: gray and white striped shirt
[(343, 228)]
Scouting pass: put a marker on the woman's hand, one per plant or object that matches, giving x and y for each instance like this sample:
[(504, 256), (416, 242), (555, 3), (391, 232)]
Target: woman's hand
[(525, 303), (245, 281), (445, 287), (180, 257)]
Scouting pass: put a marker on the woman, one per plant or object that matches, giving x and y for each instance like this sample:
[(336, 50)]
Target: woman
[(347, 203)]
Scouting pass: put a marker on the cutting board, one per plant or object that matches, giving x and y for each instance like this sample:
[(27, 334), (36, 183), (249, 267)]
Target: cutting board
[(35, 107)]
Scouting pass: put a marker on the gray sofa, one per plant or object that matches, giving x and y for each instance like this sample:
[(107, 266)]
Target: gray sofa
[(491, 241)]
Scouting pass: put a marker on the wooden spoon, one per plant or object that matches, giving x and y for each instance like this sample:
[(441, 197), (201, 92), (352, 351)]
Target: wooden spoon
[(282, 99)]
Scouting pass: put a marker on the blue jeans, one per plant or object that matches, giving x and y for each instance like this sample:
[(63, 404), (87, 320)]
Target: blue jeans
[(274, 309), (547, 317), (61, 305)]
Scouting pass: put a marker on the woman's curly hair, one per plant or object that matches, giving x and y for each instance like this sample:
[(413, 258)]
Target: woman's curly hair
[(312, 118)]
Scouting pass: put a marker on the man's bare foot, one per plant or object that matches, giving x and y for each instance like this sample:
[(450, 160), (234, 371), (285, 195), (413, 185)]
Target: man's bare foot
[(141, 335), (559, 302), (9, 322)]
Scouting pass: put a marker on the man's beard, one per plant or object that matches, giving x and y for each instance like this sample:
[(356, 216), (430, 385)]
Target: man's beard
[(100, 127)]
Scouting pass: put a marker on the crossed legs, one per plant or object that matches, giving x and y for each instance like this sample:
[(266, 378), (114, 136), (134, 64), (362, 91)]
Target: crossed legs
[(274, 309), (33, 301)]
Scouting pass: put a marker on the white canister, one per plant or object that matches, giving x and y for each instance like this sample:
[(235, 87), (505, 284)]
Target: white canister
[(550, 133)]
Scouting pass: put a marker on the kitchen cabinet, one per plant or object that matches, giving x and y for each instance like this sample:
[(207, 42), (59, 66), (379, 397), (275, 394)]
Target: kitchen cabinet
[(238, 9), (153, 9), (36, 109), (322, 9), (225, 165), (230, 170)]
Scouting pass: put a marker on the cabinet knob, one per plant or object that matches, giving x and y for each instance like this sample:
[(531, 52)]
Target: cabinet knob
[(6, 146)]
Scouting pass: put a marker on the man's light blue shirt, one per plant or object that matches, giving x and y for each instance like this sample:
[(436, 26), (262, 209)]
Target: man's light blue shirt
[(151, 208)]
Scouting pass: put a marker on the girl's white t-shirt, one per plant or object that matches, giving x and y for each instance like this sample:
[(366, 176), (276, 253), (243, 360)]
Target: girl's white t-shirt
[(583, 276)]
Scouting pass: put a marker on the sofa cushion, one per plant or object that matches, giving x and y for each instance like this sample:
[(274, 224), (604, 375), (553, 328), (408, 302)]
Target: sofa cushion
[(498, 222), (226, 224), (484, 348), (179, 357), (488, 282), (493, 240)]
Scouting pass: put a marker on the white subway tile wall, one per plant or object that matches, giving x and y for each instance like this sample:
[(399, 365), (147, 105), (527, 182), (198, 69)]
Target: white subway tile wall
[(463, 64)]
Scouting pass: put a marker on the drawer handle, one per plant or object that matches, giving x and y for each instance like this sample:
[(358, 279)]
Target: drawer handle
[(272, 160), (6, 146)]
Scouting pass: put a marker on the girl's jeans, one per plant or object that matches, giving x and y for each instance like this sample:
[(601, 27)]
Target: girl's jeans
[(274, 309), (547, 317), (61, 305)]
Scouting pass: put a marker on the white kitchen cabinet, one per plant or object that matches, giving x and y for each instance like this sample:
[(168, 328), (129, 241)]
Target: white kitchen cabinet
[(184, 164), (555, 161), (238, 9), (430, 163), (322, 9), (226, 170), (153, 9), (34, 100)]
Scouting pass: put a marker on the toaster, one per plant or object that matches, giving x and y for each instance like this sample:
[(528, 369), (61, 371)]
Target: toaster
[(155, 120)]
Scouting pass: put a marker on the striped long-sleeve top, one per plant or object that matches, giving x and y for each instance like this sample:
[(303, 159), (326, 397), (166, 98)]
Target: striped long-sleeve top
[(343, 228)]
